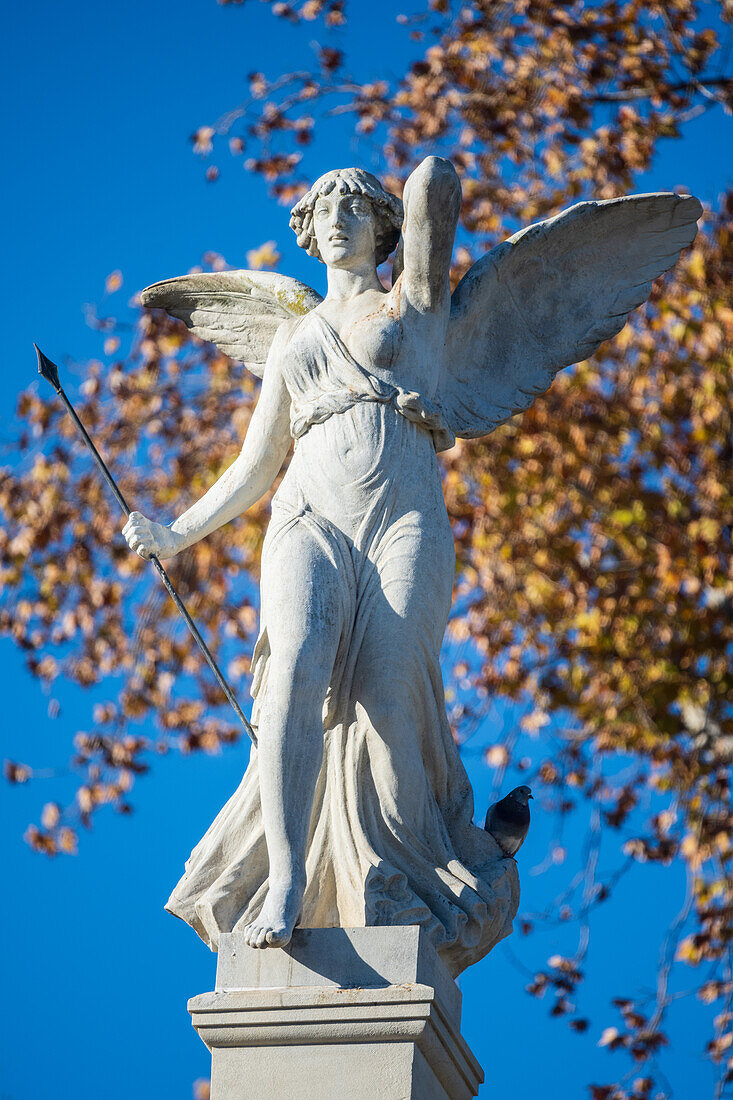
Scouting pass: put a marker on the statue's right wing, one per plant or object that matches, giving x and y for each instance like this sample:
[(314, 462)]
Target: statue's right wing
[(239, 311)]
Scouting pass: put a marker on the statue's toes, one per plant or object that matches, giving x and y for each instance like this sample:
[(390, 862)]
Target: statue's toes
[(277, 937)]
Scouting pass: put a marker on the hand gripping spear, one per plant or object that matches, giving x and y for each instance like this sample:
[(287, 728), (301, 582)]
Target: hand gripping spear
[(50, 372)]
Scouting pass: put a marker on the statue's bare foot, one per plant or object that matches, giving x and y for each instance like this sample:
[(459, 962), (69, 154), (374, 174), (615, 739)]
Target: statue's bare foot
[(278, 916)]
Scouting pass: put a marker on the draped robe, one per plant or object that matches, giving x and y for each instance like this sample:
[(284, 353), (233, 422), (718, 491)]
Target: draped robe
[(391, 838)]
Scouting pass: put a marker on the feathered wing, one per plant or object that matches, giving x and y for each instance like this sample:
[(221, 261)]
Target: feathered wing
[(548, 296), (239, 311)]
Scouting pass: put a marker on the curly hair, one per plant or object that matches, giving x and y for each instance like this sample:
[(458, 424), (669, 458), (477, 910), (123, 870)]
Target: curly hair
[(387, 208)]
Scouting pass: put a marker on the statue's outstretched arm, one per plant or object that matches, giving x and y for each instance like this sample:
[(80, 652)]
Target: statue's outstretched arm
[(432, 204), (247, 479)]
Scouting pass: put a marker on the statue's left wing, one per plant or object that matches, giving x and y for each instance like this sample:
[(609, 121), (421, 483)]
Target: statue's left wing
[(548, 296), (239, 311)]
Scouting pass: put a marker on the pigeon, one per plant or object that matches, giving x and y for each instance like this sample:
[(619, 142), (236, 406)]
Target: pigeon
[(508, 820)]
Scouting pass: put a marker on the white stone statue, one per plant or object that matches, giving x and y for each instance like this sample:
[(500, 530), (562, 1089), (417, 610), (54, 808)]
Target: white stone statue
[(355, 808)]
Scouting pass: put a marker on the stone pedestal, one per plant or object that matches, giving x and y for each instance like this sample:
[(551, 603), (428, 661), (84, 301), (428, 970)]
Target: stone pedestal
[(369, 1013)]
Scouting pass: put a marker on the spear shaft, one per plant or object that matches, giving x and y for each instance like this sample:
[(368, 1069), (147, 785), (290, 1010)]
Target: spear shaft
[(50, 372)]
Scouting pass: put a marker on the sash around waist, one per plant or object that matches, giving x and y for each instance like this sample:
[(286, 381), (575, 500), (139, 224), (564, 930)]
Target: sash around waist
[(420, 411)]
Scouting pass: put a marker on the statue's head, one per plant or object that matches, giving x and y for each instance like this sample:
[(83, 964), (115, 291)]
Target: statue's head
[(347, 217)]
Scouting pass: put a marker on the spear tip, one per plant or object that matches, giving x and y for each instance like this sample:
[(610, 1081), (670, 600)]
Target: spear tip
[(48, 369)]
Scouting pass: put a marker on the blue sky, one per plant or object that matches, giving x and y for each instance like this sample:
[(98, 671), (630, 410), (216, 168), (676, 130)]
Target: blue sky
[(99, 102)]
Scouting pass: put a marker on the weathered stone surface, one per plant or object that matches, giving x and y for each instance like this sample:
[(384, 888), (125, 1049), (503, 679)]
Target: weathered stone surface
[(364, 1012), (345, 958), (356, 809)]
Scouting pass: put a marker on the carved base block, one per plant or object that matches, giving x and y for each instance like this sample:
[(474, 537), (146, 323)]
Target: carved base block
[(370, 1013)]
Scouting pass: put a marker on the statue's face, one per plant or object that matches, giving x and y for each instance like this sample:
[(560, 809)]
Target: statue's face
[(345, 230)]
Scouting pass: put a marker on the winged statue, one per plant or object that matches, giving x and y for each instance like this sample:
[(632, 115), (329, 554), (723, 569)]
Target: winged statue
[(355, 808)]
